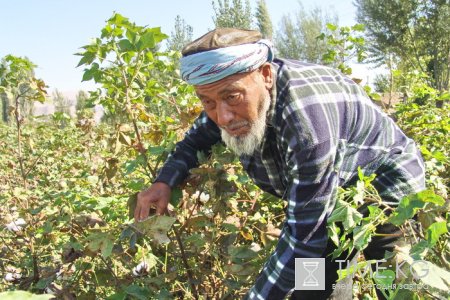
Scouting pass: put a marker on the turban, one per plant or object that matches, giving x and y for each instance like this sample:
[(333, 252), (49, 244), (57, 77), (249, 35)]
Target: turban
[(214, 59)]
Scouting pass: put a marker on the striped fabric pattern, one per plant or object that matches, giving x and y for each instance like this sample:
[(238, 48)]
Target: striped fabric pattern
[(210, 66), (321, 128)]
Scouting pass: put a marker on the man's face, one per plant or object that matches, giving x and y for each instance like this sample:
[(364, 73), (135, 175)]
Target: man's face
[(238, 105)]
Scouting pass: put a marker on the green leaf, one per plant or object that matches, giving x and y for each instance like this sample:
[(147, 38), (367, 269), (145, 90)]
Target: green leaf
[(90, 73), (176, 196), (156, 227), (358, 27), (432, 275), (406, 209), (385, 278), (22, 295), (362, 235), (156, 151), (429, 196), (118, 19), (87, 59), (346, 214), (118, 296), (331, 27), (125, 45), (241, 254), (147, 41), (333, 233), (435, 231), (138, 292), (102, 242), (419, 250)]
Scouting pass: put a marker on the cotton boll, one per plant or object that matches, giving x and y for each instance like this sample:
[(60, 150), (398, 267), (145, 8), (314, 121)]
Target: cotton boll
[(255, 247), (12, 227), (196, 194), (141, 269), (10, 277), (16, 225), (209, 212), (20, 222), (204, 198)]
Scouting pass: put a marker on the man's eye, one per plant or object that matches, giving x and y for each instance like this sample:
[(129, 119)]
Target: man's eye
[(208, 104), (233, 99)]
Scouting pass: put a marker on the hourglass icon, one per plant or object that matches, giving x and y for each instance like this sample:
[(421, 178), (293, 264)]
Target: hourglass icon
[(310, 267)]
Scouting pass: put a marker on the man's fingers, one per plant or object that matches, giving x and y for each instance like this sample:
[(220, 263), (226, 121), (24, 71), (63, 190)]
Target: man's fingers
[(137, 211), (143, 207)]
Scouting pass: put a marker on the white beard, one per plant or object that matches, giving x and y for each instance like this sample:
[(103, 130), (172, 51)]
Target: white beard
[(247, 144)]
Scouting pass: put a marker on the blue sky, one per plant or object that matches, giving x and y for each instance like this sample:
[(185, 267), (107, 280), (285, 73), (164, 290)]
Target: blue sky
[(49, 32)]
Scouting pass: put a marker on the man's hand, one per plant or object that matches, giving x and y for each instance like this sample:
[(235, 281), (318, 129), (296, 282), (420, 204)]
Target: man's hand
[(158, 195)]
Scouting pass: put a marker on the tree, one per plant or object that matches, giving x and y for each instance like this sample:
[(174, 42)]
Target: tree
[(18, 87), (298, 39), (17, 83), (62, 104), (181, 35), (81, 100), (415, 32), (263, 20), (233, 15)]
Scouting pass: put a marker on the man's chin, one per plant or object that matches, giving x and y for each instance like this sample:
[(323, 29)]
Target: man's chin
[(241, 144)]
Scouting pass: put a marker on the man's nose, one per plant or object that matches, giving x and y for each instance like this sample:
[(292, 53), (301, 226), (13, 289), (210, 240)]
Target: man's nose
[(224, 114)]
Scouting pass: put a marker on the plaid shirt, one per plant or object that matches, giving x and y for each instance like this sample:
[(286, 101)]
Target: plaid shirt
[(321, 128)]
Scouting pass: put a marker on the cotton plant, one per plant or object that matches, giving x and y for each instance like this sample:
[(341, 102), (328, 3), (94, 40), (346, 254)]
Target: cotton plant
[(16, 225), (12, 274), (201, 196)]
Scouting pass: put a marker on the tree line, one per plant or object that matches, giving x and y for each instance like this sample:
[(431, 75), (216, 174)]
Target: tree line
[(391, 34)]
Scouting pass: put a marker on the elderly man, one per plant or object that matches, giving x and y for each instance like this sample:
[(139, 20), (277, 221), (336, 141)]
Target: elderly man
[(301, 131)]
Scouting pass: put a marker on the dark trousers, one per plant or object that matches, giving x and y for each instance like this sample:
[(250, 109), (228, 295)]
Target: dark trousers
[(375, 250)]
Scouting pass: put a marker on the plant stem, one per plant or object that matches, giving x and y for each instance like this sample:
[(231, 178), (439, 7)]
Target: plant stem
[(186, 265), (19, 141)]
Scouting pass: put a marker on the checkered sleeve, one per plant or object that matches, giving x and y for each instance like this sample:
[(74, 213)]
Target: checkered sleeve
[(313, 188), (201, 137)]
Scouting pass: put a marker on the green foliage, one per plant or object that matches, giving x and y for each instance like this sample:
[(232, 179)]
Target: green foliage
[(345, 44), (263, 21), (181, 36), (66, 196), (429, 126), (18, 87), (298, 38), (426, 249), (403, 29), (21, 295), (232, 14), (70, 232), (62, 104)]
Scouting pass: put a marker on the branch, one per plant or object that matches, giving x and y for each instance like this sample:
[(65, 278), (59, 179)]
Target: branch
[(186, 265)]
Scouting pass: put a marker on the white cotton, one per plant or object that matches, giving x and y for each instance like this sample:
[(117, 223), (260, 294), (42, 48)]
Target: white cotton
[(255, 247), (204, 198), (20, 222), (141, 269), (12, 276), (16, 225), (208, 212)]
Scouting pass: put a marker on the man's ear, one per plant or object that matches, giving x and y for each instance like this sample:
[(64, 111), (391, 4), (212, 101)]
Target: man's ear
[(266, 72)]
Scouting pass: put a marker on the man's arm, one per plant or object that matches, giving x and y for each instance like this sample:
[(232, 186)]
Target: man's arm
[(311, 194), (201, 137)]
